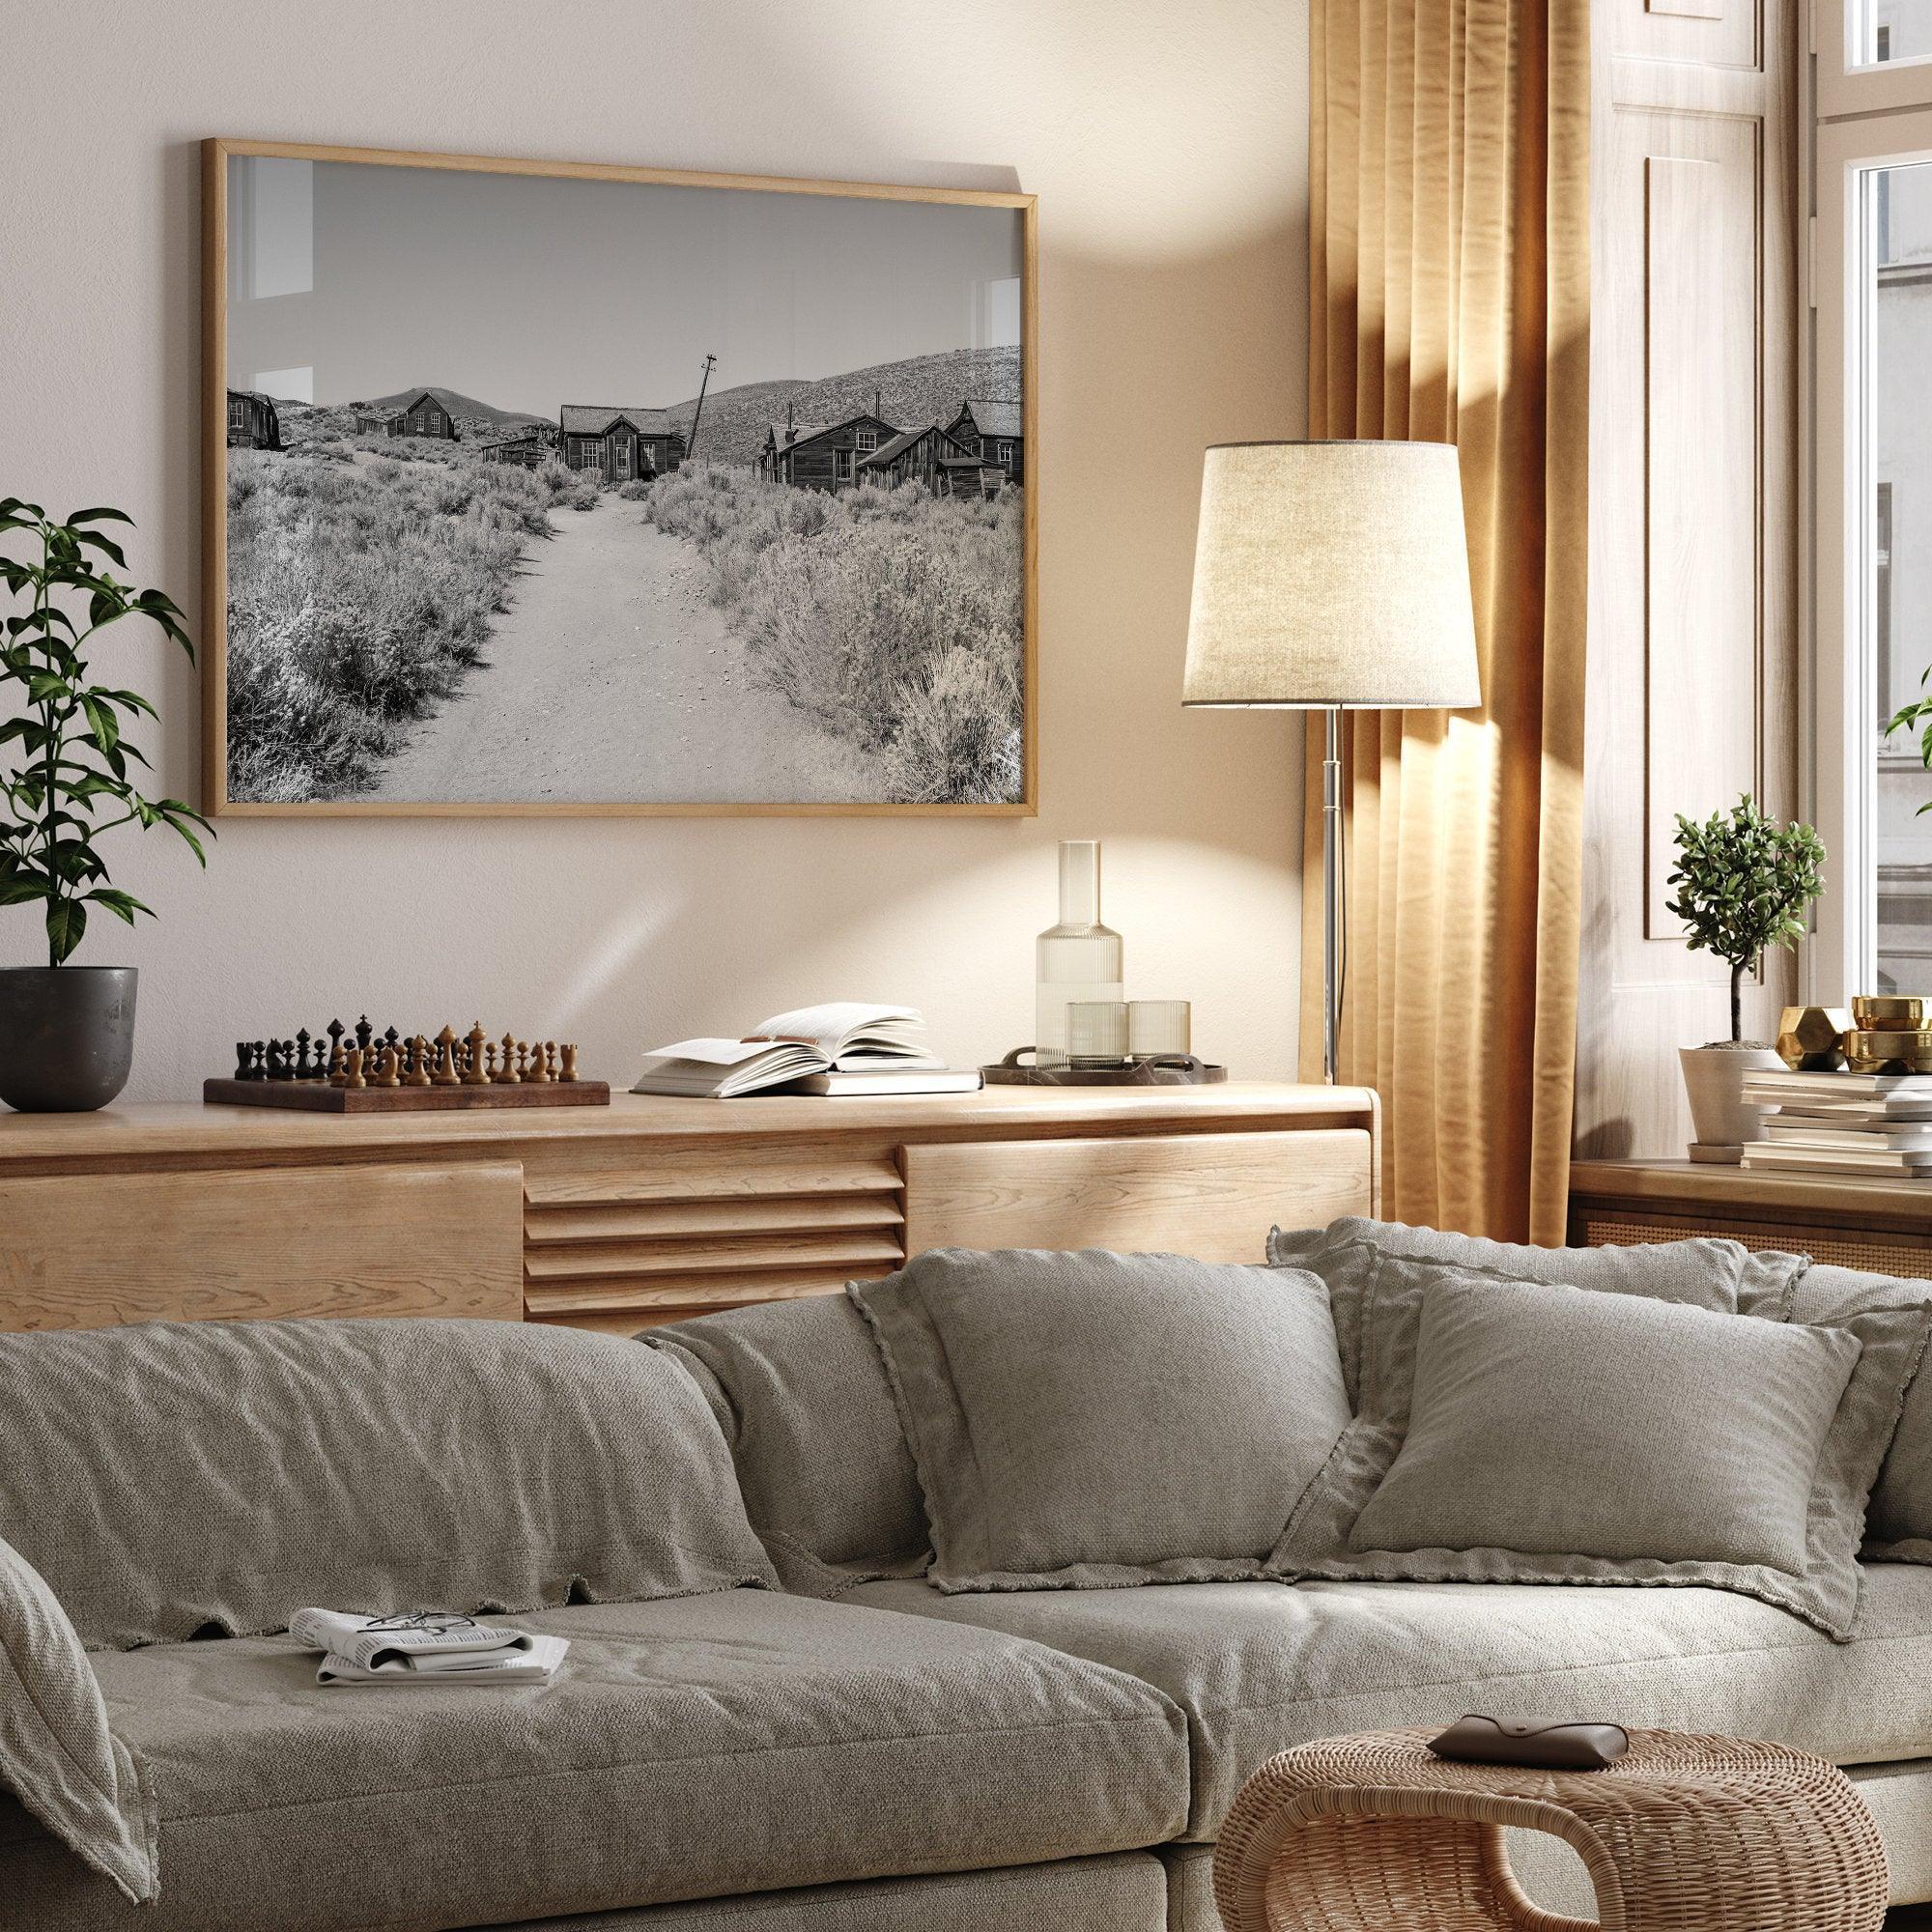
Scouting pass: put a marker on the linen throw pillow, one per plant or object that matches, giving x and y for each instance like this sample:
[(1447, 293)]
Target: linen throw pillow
[(804, 1402), (169, 1477), (1562, 1437), (57, 1756), (1092, 1421), (1723, 1276), (1898, 1524)]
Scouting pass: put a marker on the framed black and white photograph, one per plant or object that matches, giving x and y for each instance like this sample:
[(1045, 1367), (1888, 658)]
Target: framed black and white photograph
[(535, 487)]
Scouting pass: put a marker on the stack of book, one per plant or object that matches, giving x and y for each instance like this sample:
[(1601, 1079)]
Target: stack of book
[(1878, 1124)]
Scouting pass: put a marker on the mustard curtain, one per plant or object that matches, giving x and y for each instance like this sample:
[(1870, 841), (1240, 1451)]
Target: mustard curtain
[(1450, 170)]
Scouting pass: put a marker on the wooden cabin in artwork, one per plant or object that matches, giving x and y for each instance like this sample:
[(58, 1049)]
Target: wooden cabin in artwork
[(252, 420), (971, 476), (912, 456), (779, 439), (621, 443), (812, 456), (993, 430), (423, 415)]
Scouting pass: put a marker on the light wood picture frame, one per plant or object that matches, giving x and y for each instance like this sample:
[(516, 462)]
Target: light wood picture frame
[(778, 596)]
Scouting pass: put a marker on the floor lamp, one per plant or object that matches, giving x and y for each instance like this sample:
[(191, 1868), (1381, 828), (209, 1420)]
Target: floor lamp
[(1332, 576)]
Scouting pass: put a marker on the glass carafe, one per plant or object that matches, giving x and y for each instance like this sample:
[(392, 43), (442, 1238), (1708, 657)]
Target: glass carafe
[(1077, 960)]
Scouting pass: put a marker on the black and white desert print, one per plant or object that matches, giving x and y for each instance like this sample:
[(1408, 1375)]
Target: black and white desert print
[(548, 491)]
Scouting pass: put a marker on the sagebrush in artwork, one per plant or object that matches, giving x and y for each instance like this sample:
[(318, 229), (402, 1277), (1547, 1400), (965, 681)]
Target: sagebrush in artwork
[(806, 587)]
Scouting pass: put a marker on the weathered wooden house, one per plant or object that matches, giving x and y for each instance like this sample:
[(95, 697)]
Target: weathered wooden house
[(912, 456), (252, 420), (994, 430), (621, 443), (780, 438), (813, 456), (971, 476), (423, 415), (374, 422)]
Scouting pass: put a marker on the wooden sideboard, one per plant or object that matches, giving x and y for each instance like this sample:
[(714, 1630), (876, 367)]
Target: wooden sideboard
[(1884, 1226), (650, 1211)]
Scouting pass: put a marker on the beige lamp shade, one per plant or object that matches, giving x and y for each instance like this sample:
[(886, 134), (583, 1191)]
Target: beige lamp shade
[(1332, 574)]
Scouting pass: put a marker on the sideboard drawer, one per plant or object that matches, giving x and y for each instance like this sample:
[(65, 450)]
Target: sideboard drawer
[(88, 1251), (1211, 1195)]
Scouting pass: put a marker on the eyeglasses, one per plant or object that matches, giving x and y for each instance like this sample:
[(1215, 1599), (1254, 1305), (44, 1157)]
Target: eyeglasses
[(422, 1620)]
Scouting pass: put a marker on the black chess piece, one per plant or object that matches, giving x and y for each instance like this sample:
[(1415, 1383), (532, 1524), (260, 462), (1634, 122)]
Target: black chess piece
[(335, 1030), (245, 1059), (278, 1061), (364, 1033), (303, 1070)]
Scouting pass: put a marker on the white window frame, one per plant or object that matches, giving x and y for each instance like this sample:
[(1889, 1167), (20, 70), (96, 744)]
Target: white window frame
[(1864, 118), (1845, 86)]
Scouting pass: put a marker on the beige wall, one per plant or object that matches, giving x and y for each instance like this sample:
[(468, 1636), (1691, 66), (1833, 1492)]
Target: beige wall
[(1168, 147)]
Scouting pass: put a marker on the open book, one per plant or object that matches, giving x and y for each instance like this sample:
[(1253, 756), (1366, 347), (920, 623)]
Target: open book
[(842, 1037)]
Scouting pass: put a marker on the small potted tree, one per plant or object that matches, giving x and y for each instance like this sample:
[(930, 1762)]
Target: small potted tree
[(1741, 883), (67, 1032)]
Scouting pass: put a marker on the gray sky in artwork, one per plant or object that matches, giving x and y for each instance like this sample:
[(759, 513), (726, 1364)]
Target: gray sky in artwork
[(348, 281)]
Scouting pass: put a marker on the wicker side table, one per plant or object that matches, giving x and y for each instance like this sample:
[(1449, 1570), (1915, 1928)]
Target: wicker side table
[(1685, 1834)]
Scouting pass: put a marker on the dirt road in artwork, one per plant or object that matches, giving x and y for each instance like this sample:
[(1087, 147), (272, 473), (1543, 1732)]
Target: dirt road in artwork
[(611, 678)]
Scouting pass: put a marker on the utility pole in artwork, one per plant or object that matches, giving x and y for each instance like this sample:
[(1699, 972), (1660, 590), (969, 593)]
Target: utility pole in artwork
[(698, 414)]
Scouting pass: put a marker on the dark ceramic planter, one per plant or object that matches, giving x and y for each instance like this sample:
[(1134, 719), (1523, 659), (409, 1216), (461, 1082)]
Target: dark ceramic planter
[(67, 1036)]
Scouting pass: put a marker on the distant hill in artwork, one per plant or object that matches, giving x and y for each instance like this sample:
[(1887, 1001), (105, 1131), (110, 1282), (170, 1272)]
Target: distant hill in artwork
[(919, 391), (915, 392), (463, 407)]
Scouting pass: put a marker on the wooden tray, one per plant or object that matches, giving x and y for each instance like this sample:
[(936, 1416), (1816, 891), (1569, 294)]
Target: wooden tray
[(318, 1096), (1175, 1070)]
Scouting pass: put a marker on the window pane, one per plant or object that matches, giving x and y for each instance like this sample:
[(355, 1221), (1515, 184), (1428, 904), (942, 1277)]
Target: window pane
[(1898, 599), (1896, 30)]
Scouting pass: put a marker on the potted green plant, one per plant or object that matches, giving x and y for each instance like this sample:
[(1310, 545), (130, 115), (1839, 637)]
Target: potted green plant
[(1743, 883), (66, 1032)]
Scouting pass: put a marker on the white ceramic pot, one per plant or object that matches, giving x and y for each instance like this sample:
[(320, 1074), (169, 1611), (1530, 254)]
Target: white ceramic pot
[(1713, 1078)]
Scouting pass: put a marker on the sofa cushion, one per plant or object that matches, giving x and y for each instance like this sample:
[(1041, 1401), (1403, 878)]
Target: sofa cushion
[(1601, 1367), (1898, 1524), (690, 1748), (1091, 1420), (1552, 1420), (827, 1477), (236, 1471), (1723, 1276), (57, 1756), (1260, 1667), (1126, 1893)]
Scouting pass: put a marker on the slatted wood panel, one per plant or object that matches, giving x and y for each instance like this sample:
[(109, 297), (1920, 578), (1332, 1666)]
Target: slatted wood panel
[(628, 1244), (1215, 1196), (90, 1251)]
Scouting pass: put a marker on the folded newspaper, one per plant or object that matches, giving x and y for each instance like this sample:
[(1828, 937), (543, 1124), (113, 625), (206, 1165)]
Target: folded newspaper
[(423, 1650)]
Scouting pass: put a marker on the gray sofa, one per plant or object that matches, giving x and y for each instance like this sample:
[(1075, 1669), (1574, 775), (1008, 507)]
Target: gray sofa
[(854, 1752)]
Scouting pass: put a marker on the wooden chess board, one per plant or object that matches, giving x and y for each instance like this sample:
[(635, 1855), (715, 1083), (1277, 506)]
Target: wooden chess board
[(357, 1070), (318, 1096)]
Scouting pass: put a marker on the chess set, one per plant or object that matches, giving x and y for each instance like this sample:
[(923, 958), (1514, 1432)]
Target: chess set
[(357, 1070)]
